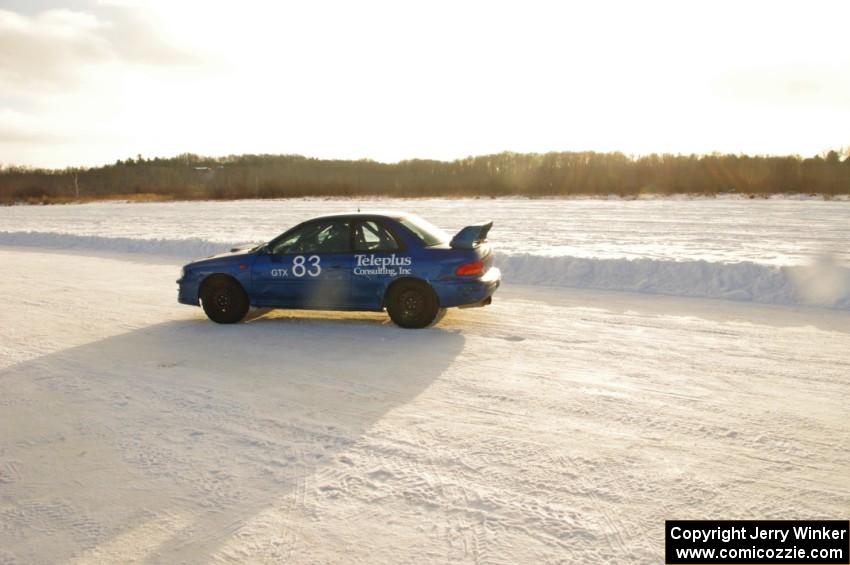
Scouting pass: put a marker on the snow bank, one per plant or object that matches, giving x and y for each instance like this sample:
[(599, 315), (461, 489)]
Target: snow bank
[(823, 282), (186, 248)]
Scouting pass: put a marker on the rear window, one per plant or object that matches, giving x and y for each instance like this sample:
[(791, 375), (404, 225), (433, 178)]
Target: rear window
[(425, 230)]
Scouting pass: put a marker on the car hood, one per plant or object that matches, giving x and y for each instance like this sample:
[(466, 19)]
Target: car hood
[(240, 251)]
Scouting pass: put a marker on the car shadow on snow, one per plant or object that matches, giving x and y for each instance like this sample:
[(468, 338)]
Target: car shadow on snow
[(164, 443)]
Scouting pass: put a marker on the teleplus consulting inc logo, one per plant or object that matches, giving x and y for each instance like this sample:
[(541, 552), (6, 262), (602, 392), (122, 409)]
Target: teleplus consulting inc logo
[(391, 265)]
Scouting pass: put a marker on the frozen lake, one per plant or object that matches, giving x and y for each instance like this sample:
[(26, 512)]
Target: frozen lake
[(555, 426), (776, 231)]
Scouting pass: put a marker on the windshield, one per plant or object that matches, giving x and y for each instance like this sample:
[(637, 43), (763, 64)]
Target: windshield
[(425, 230)]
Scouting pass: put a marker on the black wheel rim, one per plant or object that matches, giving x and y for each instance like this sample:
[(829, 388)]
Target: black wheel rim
[(223, 300), (411, 304)]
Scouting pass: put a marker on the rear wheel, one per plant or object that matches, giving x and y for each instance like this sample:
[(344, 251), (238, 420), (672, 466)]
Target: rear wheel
[(412, 304), (224, 300)]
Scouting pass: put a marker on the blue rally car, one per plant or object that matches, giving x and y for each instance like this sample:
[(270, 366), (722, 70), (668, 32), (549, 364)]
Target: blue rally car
[(356, 261)]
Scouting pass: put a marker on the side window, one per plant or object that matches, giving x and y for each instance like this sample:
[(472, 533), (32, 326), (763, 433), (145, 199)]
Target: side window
[(372, 236), (319, 237)]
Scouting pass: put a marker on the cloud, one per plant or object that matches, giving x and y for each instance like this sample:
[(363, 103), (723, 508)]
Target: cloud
[(56, 49), (20, 129), (11, 135), (48, 49), (136, 37)]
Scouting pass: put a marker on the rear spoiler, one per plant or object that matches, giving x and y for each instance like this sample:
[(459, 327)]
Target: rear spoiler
[(472, 236)]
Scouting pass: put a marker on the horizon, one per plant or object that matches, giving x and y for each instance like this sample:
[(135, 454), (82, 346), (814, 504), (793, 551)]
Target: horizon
[(89, 82), (843, 154)]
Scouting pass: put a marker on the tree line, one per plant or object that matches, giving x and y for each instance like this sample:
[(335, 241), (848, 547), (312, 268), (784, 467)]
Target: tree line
[(190, 176)]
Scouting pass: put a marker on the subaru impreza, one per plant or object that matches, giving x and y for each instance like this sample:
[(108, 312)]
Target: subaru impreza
[(360, 261)]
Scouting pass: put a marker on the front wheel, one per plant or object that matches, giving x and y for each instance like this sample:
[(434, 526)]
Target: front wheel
[(413, 305), (224, 300)]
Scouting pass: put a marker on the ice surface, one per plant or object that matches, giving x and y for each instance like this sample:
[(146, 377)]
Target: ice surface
[(762, 231), (768, 251), (554, 426)]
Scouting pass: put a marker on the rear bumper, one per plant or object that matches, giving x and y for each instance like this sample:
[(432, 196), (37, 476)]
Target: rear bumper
[(468, 292), (486, 302)]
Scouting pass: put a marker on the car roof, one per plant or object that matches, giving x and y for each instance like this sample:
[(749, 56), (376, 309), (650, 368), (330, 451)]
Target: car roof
[(376, 214)]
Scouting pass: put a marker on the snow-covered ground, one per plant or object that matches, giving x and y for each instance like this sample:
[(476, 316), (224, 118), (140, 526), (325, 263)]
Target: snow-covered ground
[(556, 426), (778, 251), (776, 231)]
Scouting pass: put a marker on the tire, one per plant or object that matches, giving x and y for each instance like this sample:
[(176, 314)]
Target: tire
[(413, 305), (224, 300)]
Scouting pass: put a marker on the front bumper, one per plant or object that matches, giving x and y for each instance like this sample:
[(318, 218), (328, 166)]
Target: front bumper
[(187, 291)]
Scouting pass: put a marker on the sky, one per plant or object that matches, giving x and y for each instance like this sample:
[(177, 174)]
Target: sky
[(86, 82)]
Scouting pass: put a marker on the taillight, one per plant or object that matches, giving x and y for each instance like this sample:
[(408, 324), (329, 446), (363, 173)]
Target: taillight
[(470, 269)]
